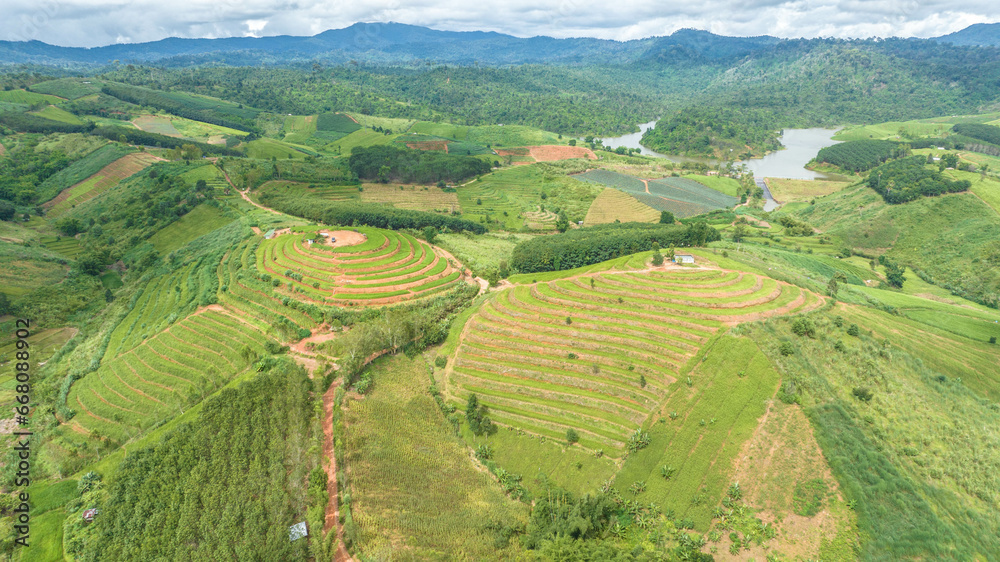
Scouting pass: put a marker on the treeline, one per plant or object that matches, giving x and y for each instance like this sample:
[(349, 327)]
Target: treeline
[(135, 136), (151, 98), (861, 155), (366, 214), (987, 133), (907, 179), (586, 246), (28, 123), (388, 163), (226, 486), (715, 131)]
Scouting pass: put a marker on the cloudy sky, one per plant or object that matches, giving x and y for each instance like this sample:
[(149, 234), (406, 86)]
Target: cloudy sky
[(88, 23)]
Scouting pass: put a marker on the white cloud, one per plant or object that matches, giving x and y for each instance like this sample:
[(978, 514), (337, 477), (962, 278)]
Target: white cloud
[(90, 23)]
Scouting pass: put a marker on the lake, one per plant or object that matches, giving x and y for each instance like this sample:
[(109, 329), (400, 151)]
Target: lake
[(801, 146)]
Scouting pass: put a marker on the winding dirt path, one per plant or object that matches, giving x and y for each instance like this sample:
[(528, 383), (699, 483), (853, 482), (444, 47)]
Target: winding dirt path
[(332, 505)]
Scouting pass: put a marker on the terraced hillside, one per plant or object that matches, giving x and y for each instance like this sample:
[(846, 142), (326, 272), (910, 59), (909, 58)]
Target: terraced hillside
[(108, 177), (361, 266), (597, 353), (165, 374)]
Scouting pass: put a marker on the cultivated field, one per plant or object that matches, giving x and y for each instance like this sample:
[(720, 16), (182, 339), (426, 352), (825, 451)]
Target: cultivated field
[(597, 353), (100, 182), (613, 204), (384, 267), (786, 190), (156, 124), (165, 374), (27, 98), (200, 220), (415, 197), (681, 196)]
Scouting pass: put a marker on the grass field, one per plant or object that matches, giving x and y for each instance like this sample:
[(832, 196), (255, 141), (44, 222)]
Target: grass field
[(415, 493), (615, 205), (156, 124), (606, 369), (111, 280), (23, 269), (299, 128), (73, 145), (482, 252), (383, 267), (200, 220), (504, 197), (108, 177), (56, 114), (392, 124), (509, 135), (271, 148), (786, 190), (69, 88), (727, 186), (715, 415), (417, 197), (27, 98), (915, 493), (95, 160), (361, 137), (903, 130)]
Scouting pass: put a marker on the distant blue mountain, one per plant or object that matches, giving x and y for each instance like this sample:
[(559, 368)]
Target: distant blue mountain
[(976, 35), (396, 43)]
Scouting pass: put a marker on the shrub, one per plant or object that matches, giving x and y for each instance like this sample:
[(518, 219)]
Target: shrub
[(803, 327), (993, 339), (572, 436), (862, 393), (786, 348), (441, 361), (853, 330)]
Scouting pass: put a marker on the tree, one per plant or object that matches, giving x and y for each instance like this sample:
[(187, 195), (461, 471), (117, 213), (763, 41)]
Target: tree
[(666, 217), (7, 210), (642, 381), (572, 436), (562, 223), (572, 142), (430, 233), (740, 232), (108, 295), (657, 256)]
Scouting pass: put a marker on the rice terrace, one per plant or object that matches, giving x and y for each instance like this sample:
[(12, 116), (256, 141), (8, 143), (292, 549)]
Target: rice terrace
[(396, 293)]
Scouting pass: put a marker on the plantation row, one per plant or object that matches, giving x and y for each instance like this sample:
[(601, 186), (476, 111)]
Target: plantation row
[(860, 155), (165, 375), (387, 267), (681, 196), (597, 354)]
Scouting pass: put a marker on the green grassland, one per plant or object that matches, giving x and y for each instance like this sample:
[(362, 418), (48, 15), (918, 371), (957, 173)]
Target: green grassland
[(681, 196), (715, 414), (80, 170), (728, 186), (73, 145), (481, 253), (939, 235), (415, 492), (199, 221), (393, 124), (24, 268), (916, 494), (69, 88), (511, 135), (56, 114), (362, 138), (63, 245), (903, 130), (27, 98), (786, 190), (298, 128), (518, 190), (271, 148)]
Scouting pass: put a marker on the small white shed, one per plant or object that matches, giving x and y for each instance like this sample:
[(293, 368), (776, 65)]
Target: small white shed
[(681, 257)]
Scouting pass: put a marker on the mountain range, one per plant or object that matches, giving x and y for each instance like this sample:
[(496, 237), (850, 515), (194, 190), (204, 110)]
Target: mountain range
[(396, 43)]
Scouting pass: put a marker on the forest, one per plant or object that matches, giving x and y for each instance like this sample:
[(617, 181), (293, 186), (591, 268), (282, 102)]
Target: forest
[(715, 131), (388, 163), (907, 179), (861, 155)]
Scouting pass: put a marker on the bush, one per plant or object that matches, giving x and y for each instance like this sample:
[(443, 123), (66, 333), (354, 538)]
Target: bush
[(862, 393), (786, 348), (803, 326), (993, 339), (572, 436), (853, 330), (441, 361)]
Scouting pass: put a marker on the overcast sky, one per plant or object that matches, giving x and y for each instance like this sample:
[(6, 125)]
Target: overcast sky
[(89, 23)]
